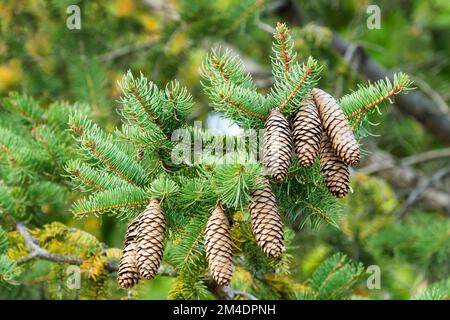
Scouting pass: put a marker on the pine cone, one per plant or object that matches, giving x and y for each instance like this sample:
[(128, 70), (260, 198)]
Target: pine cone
[(335, 171), (266, 221), (307, 132), (150, 239), (219, 251), (337, 127), (128, 274), (277, 145)]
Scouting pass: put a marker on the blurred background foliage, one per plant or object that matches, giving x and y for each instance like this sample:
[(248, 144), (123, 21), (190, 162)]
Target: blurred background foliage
[(164, 40)]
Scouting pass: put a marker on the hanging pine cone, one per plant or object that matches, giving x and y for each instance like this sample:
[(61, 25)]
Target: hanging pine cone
[(307, 132), (128, 274), (266, 221), (150, 239), (337, 127), (277, 145), (335, 171), (219, 251)]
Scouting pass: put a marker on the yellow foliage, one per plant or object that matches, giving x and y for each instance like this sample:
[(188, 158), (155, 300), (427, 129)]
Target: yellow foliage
[(113, 253), (94, 267), (238, 235), (280, 282), (17, 248), (38, 45), (242, 279), (150, 23), (49, 232), (179, 43), (78, 237), (10, 74), (125, 8)]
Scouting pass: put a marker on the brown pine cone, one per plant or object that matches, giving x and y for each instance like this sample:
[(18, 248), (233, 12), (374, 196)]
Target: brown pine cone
[(307, 132), (335, 171), (128, 274), (277, 145), (150, 240), (337, 127), (219, 251), (266, 221)]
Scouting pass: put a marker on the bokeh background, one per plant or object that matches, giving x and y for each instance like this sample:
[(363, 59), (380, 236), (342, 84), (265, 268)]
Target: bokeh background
[(398, 216)]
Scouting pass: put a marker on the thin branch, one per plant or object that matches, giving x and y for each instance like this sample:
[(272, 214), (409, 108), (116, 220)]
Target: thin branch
[(76, 173), (435, 96), (37, 252), (427, 156), (402, 176), (420, 189), (407, 161), (319, 211), (146, 109), (243, 109), (227, 292), (284, 53), (126, 50), (116, 206)]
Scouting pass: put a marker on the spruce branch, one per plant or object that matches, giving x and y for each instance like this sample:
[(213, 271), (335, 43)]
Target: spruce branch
[(221, 66), (241, 108), (144, 103), (102, 147), (287, 94), (26, 107), (111, 200), (244, 106), (25, 153), (139, 96), (247, 8), (439, 290), (335, 277), (90, 178), (8, 202), (370, 97), (285, 56)]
